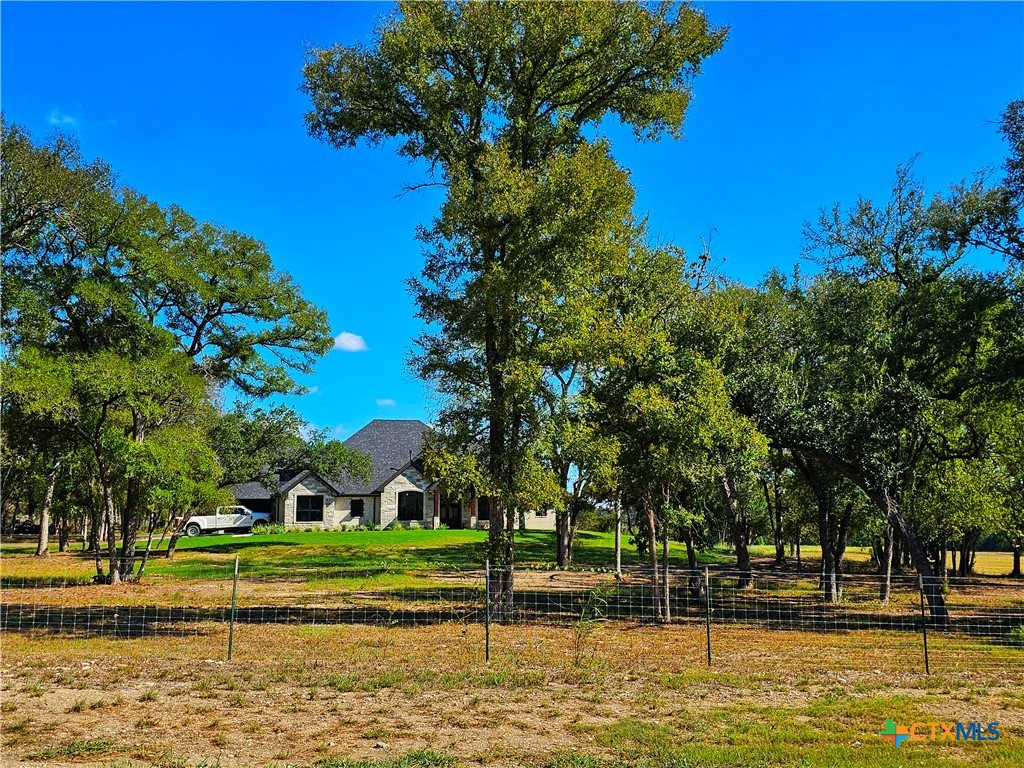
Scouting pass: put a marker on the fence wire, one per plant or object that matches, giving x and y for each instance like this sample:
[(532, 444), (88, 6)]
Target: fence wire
[(763, 609)]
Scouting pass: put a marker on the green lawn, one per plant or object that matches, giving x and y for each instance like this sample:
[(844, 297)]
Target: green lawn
[(401, 549)]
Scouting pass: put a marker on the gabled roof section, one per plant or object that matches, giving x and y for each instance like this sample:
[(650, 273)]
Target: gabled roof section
[(287, 485), (391, 445)]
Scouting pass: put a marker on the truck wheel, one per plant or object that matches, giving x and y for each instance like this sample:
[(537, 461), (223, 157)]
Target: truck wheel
[(193, 530)]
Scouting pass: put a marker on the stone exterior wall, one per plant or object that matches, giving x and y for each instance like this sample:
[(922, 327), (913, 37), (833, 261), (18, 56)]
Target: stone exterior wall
[(526, 521), (409, 480), (383, 509), (337, 509), (537, 521), (343, 511)]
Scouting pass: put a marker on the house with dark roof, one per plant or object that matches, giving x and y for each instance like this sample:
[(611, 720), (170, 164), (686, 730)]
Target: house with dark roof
[(397, 493)]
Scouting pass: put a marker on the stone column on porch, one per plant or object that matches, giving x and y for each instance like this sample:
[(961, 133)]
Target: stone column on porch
[(472, 510), (437, 508)]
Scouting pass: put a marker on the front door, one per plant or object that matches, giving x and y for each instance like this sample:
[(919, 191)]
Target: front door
[(451, 512)]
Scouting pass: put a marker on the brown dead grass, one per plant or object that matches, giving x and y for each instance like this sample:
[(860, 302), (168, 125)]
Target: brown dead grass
[(295, 695)]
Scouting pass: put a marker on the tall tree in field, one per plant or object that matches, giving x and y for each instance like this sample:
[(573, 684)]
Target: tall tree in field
[(496, 96)]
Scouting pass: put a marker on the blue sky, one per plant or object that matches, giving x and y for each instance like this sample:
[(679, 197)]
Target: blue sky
[(198, 104)]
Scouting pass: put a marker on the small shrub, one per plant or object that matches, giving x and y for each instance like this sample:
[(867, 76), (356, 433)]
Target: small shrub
[(591, 617)]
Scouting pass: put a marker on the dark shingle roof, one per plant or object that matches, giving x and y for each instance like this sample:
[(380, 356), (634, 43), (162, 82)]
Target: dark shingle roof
[(390, 444), (250, 490)]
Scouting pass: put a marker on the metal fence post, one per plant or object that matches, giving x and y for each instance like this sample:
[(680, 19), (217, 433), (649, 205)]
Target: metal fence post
[(924, 625), (231, 625), (487, 611), (707, 609)]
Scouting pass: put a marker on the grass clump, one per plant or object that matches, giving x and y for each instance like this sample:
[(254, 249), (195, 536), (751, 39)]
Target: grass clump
[(73, 749), (417, 758)]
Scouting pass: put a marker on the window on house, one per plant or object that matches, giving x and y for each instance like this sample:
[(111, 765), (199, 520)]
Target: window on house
[(410, 505), (357, 507), (309, 509), (483, 508)]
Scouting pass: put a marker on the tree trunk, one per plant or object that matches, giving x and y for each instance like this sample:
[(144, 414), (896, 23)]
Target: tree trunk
[(888, 502), (827, 580), (131, 519), (149, 548), (737, 517), (172, 543), (562, 538), (107, 498), (618, 535), (95, 517), (696, 582), (799, 563), (967, 552), (691, 549), (652, 551), (668, 594), (774, 508), (502, 551), (64, 534), (43, 545), (842, 537), (885, 567), (828, 564), (501, 531), (1016, 572)]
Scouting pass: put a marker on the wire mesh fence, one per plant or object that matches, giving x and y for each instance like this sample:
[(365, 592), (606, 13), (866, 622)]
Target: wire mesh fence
[(867, 616)]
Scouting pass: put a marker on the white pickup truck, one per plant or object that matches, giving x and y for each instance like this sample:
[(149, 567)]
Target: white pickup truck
[(226, 519)]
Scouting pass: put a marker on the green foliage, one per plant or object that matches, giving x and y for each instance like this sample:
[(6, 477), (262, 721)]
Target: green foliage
[(121, 318), (255, 444), (497, 98)]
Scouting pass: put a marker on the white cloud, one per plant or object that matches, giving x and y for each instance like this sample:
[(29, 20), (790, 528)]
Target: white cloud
[(313, 390), (56, 117), (349, 342), (384, 402)]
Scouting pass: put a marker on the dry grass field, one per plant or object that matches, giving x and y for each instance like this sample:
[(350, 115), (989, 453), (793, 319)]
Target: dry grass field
[(594, 694), (556, 697)]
